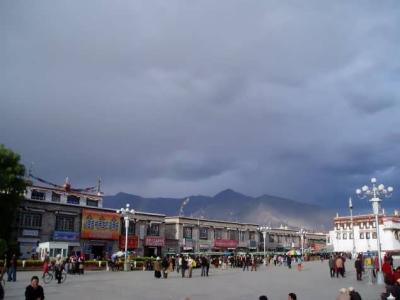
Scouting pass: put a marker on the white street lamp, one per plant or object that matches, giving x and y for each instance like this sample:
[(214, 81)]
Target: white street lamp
[(126, 213), (352, 226), (264, 230), (374, 193), (302, 233)]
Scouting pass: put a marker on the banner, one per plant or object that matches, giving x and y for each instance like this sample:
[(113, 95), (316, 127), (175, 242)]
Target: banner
[(133, 241), (154, 241), (65, 236), (100, 225), (226, 243)]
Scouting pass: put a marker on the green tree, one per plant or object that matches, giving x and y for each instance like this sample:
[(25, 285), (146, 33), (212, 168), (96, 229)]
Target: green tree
[(12, 188)]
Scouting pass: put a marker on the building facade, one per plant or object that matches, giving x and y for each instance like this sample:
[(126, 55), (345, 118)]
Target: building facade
[(77, 218), (362, 233), (185, 234), (284, 238)]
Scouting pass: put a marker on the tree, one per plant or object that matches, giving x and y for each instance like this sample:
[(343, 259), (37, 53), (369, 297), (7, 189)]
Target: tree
[(12, 188)]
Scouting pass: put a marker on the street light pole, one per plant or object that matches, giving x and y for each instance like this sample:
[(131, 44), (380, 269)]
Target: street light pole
[(302, 232), (126, 213), (374, 193), (264, 229), (352, 226)]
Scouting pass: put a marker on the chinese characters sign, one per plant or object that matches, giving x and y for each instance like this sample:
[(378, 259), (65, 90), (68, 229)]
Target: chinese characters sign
[(100, 225)]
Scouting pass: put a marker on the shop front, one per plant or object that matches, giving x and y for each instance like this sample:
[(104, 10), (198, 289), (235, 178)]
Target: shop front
[(72, 237), (224, 245), (133, 242), (100, 233), (187, 245), (153, 245)]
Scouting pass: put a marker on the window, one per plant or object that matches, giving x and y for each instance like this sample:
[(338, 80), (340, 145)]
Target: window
[(374, 235), (71, 199), (55, 197), (271, 238), (361, 225), (30, 220), (374, 224), (90, 202), (218, 234), (367, 235), (351, 236), (154, 229), (367, 225), (361, 235), (64, 223), (345, 236), (38, 195), (252, 235), (187, 232), (203, 233), (338, 236), (232, 235)]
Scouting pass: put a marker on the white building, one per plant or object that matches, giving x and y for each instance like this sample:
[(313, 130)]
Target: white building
[(363, 235)]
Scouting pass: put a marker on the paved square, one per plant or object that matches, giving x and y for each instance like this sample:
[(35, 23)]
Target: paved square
[(313, 283)]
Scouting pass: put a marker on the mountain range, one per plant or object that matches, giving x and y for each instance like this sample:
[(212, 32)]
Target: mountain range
[(233, 206)]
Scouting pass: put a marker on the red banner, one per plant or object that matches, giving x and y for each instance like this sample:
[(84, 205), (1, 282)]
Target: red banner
[(154, 241), (133, 241), (226, 243)]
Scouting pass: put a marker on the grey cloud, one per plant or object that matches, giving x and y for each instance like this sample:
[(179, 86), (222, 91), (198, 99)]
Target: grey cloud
[(178, 98)]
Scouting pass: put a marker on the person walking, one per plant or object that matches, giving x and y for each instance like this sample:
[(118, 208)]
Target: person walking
[(164, 267), (203, 264), (157, 268), (358, 267), (58, 268), (34, 291), (190, 266), (331, 263), (184, 266), (179, 264), (12, 268), (289, 261), (339, 264)]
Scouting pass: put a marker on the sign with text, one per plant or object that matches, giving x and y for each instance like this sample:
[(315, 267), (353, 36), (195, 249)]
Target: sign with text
[(133, 241), (154, 241), (100, 225), (226, 243), (65, 236)]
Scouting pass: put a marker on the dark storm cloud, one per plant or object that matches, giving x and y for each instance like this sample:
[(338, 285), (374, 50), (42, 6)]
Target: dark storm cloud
[(175, 98)]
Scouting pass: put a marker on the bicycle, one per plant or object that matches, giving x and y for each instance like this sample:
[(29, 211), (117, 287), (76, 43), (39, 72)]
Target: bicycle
[(51, 274)]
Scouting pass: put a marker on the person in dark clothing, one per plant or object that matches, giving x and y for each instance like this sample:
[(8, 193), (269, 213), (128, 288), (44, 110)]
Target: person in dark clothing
[(203, 262), (391, 289), (354, 295), (34, 291), (292, 296), (184, 266), (12, 268), (289, 261), (164, 267), (359, 267), (263, 297)]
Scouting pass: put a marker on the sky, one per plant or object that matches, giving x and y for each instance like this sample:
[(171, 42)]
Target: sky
[(299, 99)]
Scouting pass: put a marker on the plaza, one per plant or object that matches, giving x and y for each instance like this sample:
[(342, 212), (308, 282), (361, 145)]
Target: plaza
[(313, 283)]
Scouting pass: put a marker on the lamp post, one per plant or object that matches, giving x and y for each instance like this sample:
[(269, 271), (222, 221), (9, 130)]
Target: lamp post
[(374, 193), (264, 230), (126, 213), (302, 233), (352, 226)]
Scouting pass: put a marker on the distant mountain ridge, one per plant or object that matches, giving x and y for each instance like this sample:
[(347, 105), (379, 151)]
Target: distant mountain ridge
[(233, 206)]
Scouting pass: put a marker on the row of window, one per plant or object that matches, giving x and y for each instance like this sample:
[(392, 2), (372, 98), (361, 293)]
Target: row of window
[(218, 234), (362, 225), (34, 220), (363, 235), (66, 223), (56, 197)]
